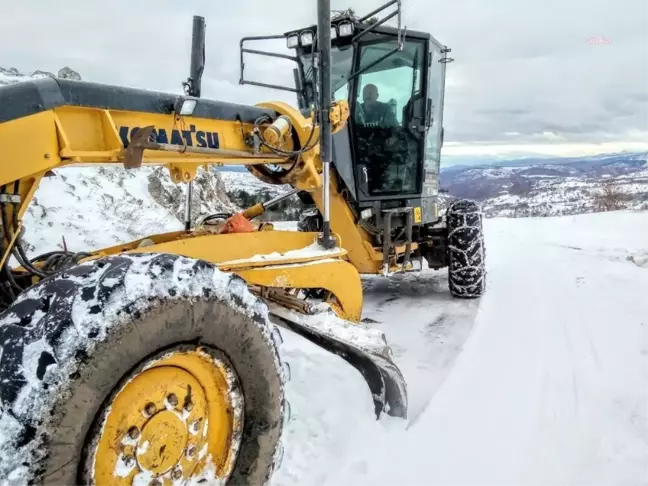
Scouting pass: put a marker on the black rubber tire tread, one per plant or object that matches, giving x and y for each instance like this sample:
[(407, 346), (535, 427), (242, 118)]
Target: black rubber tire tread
[(466, 249), (52, 436)]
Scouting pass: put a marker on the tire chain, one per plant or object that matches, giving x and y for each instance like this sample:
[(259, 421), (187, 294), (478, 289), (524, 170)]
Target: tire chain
[(467, 254)]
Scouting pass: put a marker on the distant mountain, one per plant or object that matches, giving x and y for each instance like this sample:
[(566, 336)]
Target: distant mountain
[(537, 187)]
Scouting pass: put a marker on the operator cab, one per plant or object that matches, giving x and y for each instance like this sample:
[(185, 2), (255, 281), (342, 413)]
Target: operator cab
[(388, 153), (394, 85)]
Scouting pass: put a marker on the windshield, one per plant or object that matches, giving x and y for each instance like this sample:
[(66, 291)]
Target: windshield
[(387, 114), (341, 64), (388, 106)]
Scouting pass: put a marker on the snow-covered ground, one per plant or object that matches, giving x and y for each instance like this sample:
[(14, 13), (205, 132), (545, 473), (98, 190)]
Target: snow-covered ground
[(544, 380)]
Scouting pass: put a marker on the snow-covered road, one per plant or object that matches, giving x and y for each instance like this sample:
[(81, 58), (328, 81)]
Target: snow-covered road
[(544, 380)]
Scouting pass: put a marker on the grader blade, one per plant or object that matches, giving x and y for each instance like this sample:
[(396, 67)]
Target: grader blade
[(365, 349)]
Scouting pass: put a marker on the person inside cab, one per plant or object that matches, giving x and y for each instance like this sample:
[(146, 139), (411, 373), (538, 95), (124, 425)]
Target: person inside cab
[(374, 113), (382, 150)]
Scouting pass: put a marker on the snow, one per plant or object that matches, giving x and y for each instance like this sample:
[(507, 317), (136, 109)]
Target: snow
[(313, 250), (327, 323), (544, 380), (6, 78), (94, 207), (541, 381)]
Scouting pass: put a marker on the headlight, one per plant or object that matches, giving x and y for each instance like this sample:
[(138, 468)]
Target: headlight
[(185, 106), (345, 28), (333, 32), (292, 41), (306, 38)]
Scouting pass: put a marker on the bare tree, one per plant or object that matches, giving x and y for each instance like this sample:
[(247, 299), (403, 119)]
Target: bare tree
[(610, 197)]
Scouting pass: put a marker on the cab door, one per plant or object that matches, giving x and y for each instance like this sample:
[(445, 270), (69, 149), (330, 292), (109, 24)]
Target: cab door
[(434, 135), (388, 118)]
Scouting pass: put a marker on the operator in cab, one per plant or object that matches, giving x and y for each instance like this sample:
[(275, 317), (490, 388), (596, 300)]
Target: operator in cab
[(374, 113)]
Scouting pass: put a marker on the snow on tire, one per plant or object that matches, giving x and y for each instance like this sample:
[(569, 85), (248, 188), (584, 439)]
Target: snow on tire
[(66, 343), (466, 250)]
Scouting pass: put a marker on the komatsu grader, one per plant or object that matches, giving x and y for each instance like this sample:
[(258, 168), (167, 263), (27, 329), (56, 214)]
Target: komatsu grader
[(158, 361)]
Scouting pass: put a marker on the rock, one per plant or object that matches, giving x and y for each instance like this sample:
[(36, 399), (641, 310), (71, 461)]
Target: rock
[(10, 72), (12, 75), (41, 74), (209, 193), (68, 73)]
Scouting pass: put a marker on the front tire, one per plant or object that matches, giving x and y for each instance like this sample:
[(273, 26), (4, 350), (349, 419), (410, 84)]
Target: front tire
[(74, 342), (466, 250)]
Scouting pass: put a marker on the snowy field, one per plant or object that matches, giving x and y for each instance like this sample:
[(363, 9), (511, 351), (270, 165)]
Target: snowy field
[(543, 381)]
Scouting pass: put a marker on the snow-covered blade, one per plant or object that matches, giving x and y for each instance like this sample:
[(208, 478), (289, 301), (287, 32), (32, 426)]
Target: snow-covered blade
[(364, 348)]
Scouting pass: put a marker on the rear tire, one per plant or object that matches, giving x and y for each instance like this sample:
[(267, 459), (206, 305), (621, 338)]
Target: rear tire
[(466, 250), (66, 344)]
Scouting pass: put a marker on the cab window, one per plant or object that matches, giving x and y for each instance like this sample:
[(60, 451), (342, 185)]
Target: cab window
[(385, 115)]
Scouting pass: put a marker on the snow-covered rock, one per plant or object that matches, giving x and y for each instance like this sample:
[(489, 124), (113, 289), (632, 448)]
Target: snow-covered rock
[(12, 75), (69, 73), (95, 207), (209, 194)]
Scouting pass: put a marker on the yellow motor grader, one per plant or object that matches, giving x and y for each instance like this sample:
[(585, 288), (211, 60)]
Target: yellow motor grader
[(158, 361)]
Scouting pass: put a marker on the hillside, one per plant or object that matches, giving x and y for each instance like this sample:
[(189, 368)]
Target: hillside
[(95, 207), (544, 187), (245, 190)]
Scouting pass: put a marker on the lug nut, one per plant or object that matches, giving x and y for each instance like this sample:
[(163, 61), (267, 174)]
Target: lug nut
[(133, 432), (189, 406), (196, 425), (150, 408), (155, 482), (128, 460), (191, 450), (177, 474), (173, 400)]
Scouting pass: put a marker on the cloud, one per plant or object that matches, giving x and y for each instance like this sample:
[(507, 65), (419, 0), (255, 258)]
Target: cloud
[(557, 72)]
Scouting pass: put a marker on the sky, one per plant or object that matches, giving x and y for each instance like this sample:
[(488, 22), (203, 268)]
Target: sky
[(553, 77)]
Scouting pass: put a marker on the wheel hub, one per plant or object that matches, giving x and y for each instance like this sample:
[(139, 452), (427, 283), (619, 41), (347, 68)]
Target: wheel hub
[(178, 417), (164, 439)]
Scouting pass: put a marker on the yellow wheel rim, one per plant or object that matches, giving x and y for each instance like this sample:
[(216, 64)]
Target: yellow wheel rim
[(177, 418)]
